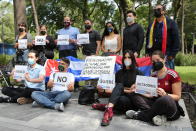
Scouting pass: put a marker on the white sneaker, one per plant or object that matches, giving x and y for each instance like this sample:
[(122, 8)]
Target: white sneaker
[(159, 120), (35, 104), (131, 114), (59, 107)]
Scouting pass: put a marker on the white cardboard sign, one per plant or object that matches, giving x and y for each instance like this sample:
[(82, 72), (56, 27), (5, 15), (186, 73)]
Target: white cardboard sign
[(83, 38), (19, 72), (106, 81), (63, 40), (40, 40), (22, 44)]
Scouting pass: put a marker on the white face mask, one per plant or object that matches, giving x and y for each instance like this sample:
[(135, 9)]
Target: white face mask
[(130, 19), (127, 63)]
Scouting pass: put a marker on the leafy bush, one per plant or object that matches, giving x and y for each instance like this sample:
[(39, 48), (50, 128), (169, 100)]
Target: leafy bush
[(4, 59), (185, 60)]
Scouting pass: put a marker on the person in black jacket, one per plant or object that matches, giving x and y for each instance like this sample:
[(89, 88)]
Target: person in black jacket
[(123, 92), (163, 35), (133, 35)]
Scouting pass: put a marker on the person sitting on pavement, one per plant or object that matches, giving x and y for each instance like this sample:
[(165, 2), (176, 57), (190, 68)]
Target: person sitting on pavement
[(121, 96), (60, 89), (165, 106), (34, 81)]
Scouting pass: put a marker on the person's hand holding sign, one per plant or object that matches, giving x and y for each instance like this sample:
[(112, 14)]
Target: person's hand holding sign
[(130, 90), (72, 41), (70, 87), (161, 92)]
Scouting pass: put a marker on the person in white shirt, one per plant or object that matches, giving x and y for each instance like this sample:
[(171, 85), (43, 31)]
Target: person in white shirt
[(61, 84)]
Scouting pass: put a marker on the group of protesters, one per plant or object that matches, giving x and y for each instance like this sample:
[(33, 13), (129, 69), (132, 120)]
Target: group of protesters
[(162, 44)]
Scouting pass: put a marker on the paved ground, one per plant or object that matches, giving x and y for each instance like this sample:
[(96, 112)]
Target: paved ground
[(14, 117)]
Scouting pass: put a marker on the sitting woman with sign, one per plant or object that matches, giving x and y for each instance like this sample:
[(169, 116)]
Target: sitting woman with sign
[(122, 92), (165, 106)]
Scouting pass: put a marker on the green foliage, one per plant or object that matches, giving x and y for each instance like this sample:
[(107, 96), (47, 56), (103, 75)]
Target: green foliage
[(4, 59), (185, 60), (7, 21)]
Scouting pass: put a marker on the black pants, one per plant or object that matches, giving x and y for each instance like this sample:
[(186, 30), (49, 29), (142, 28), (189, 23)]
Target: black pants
[(65, 53), (164, 105), (15, 93), (122, 101)]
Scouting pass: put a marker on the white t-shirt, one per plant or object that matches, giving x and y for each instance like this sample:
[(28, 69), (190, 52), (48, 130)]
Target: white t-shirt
[(61, 80)]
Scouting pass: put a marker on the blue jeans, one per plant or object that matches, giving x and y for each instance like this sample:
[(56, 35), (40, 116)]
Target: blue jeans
[(50, 98)]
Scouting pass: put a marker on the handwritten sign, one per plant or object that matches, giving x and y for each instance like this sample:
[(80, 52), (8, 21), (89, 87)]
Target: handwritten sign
[(96, 65), (19, 72), (106, 81), (146, 85), (61, 80), (22, 44), (63, 40), (40, 40), (83, 38)]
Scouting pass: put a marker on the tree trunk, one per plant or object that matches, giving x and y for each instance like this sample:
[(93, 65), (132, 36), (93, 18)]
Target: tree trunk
[(149, 11), (182, 27), (35, 16), (85, 11), (19, 13), (177, 5)]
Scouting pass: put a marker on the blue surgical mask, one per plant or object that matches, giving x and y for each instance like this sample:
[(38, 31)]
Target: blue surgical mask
[(127, 63), (31, 61), (110, 29)]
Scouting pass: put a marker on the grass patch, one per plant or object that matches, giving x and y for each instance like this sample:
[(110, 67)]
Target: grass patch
[(187, 73)]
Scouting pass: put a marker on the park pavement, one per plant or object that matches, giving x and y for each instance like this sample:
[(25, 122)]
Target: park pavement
[(14, 117)]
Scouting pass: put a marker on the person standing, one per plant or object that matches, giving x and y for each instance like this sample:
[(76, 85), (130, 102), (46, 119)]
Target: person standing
[(94, 40), (133, 35), (68, 50), (163, 35)]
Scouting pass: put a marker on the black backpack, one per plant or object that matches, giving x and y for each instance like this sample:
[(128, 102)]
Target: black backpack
[(87, 95)]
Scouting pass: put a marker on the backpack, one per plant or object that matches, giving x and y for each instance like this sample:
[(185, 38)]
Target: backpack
[(87, 95)]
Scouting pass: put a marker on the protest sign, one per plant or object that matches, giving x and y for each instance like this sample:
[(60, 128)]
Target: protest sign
[(83, 38), (22, 44), (61, 79), (40, 40), (106, 81), (96, 65), (19, 72), (146, 85), (63, 40)]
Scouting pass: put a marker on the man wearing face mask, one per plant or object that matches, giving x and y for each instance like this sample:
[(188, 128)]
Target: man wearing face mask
[(33, 81), (60, 90), (163, 35), (68, 50), (94, 37), (133, 35)]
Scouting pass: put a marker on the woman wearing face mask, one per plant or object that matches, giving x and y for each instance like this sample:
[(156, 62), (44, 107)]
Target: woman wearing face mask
[(111, 40), (169, 93), (44, 51), (21, 54), (120, 98)]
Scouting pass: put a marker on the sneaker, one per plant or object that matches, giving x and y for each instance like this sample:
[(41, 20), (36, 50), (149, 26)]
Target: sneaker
[(107, 117), (159, 120), (131, 114), (59, 107), (5, 99), (23, 100), (98, 106), (35, 104)]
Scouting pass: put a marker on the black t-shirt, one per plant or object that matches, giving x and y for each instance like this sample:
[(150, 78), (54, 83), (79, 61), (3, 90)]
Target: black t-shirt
[(133, 38), (90, 49), (127, 77)]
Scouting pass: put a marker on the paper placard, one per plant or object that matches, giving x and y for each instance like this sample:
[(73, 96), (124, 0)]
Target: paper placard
[(61, 80), (19, 72), (96, 65), (40, 40), (83, 38), (63, 40), (146, 85), (106, 81), (22, 44)]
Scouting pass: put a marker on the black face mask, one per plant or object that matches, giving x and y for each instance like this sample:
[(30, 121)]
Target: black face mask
[(157, 13), (157, 66), (42, 32), (61, 68), (87, 27), (21, 29)]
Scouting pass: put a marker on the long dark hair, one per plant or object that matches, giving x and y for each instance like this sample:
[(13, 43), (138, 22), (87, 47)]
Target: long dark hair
[(131, 54), (106, 33)]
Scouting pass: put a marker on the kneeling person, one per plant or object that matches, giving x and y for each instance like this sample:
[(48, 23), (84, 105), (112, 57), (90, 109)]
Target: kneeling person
[(62, 83)]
